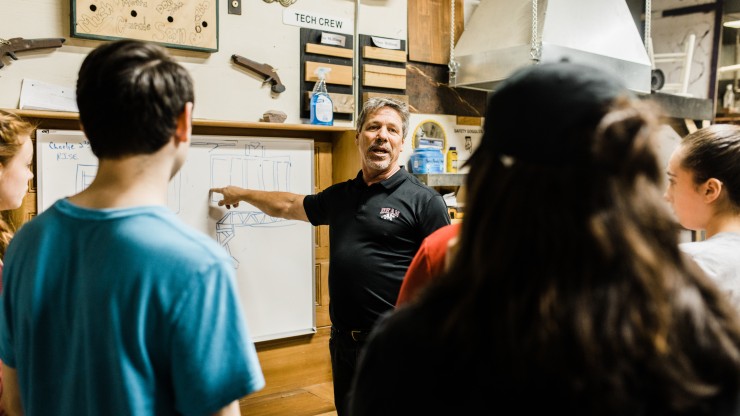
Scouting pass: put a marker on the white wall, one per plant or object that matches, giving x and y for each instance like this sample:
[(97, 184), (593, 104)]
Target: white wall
[(223, 91)]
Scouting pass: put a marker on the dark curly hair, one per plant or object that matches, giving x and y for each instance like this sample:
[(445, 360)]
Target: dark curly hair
[(569, 284)]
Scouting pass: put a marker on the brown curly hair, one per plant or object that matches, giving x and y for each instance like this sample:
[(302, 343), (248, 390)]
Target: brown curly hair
[(12, 129)]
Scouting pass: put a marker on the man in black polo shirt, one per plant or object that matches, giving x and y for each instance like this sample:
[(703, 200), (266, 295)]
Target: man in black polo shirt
[(376, 223)]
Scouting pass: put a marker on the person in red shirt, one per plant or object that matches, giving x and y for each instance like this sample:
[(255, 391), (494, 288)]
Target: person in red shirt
[(430, 261)]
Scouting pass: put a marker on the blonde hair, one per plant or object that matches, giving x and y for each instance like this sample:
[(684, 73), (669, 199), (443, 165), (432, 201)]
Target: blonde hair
[(12, 129)]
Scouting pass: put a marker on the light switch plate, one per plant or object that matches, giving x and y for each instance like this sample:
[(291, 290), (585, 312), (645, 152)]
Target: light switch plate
[(235, 6)]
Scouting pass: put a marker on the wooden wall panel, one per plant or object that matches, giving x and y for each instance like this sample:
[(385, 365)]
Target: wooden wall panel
[(290, 364), (429, 29), (322, 294), (371, 52), (383, 76), (328, 50), (322, 180), (382, 71), (338, 74), (345, 159)]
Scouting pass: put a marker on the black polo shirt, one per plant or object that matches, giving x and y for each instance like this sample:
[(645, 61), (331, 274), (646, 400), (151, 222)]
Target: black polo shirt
[(374, 233)]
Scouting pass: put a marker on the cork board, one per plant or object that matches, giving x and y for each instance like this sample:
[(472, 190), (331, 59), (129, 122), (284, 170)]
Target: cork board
[(174, 23)]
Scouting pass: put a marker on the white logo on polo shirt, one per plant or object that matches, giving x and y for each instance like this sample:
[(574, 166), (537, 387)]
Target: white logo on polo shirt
[(389, 213)]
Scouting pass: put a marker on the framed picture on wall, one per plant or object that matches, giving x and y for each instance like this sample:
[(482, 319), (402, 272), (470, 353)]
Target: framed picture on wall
[(175, 24)]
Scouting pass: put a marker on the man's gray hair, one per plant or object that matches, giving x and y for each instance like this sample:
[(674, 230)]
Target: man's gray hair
[(376, 103)]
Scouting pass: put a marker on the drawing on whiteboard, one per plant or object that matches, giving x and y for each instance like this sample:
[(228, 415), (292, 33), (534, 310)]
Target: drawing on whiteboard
[(232, 163), (84, 177), (276, 273), (246, 167)]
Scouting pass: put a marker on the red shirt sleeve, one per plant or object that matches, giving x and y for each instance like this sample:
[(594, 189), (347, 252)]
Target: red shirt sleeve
[(428, 262)]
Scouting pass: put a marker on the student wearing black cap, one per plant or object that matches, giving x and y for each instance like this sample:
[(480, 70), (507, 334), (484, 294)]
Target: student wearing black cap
[(568, 292)]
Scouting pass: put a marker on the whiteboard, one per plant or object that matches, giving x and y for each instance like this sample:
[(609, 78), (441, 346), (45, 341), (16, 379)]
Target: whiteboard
[(273, 258)]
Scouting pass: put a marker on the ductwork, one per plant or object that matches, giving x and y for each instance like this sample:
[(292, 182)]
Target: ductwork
[(504, 35)]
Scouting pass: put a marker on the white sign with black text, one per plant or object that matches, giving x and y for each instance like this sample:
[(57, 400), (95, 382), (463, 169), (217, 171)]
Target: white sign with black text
[(320, 21)]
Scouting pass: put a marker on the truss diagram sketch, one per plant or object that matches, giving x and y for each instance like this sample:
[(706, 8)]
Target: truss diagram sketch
[(273, 258), (245, 165), (85, 176)]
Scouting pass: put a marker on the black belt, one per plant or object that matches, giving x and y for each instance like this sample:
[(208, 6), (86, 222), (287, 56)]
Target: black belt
[(356, 335)]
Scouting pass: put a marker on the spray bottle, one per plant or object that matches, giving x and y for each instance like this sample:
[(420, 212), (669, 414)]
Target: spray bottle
[(322, 109)]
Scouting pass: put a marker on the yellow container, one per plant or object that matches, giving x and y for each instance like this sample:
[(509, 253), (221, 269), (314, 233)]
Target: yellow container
[(451, 166)]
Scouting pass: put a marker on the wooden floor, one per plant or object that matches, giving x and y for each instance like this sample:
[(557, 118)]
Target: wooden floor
[(316, 400)]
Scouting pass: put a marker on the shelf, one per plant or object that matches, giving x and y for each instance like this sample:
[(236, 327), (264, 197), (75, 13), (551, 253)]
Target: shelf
[(441, 179), (733, 118), (63, 115), (70, 120)]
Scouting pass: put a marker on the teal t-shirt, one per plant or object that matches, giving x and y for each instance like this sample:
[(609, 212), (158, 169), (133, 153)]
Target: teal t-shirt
[(123, 311)]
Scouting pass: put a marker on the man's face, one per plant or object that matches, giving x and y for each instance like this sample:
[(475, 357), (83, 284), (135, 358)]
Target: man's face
[(380, 140)]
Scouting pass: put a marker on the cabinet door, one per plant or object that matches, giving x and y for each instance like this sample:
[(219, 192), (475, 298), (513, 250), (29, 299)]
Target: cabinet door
[(322, 180)]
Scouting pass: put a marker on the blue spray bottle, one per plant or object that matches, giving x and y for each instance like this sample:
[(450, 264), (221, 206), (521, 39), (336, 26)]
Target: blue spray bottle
[(322, 108)]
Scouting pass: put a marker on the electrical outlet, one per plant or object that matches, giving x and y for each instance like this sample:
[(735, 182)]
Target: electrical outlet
[(235, 6)]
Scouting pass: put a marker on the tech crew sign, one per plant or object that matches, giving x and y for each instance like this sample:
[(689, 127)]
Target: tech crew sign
[(318, 21)]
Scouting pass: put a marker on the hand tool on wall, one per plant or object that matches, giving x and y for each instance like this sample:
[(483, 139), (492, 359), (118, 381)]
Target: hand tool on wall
[(10, 46), (266, 71)]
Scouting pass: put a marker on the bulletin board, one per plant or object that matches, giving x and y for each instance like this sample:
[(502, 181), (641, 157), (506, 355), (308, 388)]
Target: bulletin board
[(273, 257), (179, 24)]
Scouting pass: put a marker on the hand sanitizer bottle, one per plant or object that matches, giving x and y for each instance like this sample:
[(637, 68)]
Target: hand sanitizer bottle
[(322, 108)]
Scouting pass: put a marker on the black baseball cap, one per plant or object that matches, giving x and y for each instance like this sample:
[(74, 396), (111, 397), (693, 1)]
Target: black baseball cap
[(532, 111)]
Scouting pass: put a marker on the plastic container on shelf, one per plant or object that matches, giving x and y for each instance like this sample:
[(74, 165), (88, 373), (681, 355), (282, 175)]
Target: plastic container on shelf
[(728, 101), (322, 108), (427, 160), (451, 166)]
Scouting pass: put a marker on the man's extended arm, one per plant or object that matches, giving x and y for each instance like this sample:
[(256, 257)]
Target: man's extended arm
[(275, 204)]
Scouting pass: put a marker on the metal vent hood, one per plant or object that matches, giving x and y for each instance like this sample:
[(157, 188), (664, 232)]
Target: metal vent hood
[(498, 39)]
